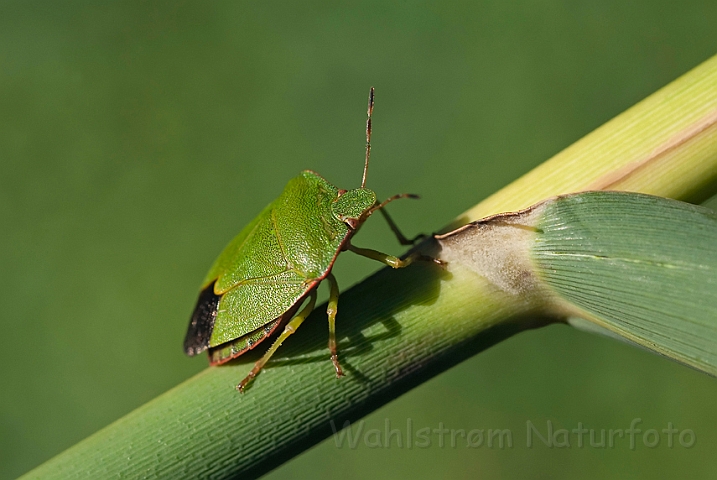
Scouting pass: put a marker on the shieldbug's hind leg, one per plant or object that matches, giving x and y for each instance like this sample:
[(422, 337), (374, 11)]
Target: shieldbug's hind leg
[(331, 313), (392, 261), (288, 330)]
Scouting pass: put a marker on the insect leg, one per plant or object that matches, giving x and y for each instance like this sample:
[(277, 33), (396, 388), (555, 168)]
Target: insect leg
[(288, 330), (390, 260), (392, 225), (394, 228), (386, 259), (331, 312)]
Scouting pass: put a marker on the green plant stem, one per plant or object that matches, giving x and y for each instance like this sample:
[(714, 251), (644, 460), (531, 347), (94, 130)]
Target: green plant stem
[(419, 321), (664, 145)]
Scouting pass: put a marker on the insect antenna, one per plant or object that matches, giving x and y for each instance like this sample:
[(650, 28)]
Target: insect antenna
[(368, 136)]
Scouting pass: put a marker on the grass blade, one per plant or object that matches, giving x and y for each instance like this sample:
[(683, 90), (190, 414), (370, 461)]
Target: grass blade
[(644, 267)]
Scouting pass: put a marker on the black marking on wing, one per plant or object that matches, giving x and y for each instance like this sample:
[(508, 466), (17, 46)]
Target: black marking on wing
[(202, 323)]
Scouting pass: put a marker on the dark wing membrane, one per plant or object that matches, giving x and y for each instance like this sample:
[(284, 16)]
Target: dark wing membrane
[(202, 323)]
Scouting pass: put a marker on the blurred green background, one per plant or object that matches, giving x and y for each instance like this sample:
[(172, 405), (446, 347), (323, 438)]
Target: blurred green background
[(136, 138)]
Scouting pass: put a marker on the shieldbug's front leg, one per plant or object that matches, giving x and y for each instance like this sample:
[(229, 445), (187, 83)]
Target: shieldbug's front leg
[(390, 260), (288, 330), (402, 239), (331, 313)]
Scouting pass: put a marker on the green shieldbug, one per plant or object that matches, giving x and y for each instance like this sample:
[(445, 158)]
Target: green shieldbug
[(277, 261)]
